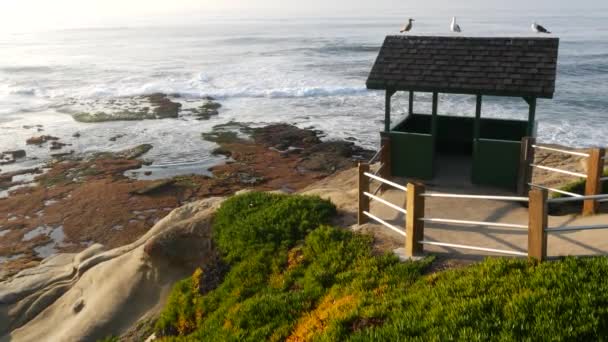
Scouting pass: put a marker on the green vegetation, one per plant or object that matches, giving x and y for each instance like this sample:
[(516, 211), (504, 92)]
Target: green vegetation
[(578, 187), (109, 339), (294, 278), (246, 224)]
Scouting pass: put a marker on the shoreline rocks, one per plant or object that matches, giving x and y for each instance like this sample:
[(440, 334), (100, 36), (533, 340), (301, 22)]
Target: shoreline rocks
[(40, 140), (94, 201), (313, 155)]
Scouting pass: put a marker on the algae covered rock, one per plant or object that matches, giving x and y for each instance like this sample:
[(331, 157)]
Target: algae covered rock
[(205, 111), (144, 107)]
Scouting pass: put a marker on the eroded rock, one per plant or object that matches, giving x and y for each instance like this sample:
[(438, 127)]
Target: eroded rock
[(10, 157)]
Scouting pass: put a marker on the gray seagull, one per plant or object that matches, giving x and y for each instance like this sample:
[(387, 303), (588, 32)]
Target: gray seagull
[(407, 27), (539, 29)]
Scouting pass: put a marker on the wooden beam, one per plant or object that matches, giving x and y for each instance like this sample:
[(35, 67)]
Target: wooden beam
[(531, 115), (593, 184), (477, 131), (526, 158), (414, 227), (411, 103), (363, 186), (537, 224)]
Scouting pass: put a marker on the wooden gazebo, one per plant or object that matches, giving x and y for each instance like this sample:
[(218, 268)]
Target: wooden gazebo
[(513, 67)]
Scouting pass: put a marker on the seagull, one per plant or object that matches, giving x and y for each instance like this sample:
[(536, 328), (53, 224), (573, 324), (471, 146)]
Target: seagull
[(455, 27), (407, 27), (538, 28)]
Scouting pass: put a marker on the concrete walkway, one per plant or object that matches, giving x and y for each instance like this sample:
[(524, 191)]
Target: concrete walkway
[(590, 242)]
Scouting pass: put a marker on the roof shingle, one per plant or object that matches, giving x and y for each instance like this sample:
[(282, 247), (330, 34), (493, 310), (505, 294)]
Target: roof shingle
[(467, 65)]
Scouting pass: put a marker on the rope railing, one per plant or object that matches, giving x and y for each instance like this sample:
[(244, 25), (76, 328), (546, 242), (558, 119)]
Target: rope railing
[(575, 228), (387, 182), (565, 172), (376, 174), (475, 248), (474, 223), (574, 153), (379, 170), (384, 223), (375, 157), (387, 203), (571, 194), (537, 203), (578, 198), (497, 198)]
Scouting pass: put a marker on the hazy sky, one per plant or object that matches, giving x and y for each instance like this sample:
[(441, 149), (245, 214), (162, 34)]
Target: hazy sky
[(19, 15)]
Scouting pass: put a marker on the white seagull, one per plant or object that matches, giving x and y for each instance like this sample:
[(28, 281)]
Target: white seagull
[(539, 29), (408, 27), (455, 27)]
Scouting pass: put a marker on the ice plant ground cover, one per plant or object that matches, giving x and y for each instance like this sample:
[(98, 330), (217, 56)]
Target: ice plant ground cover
[(293, 277)]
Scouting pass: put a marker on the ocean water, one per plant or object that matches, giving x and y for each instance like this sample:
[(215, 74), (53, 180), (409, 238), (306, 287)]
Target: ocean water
[(307, 71)]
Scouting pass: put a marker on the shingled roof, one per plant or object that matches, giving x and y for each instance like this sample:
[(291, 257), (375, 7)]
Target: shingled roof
[(465, 65)]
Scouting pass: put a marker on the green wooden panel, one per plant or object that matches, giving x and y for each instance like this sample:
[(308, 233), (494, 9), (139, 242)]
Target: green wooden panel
[(455, 133), (496, 163), (412, 155), (501, 129)]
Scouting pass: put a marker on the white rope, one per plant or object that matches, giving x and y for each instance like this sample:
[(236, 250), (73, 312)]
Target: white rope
[(387, 203), (498, 198), (501, 251), (575, 228), (388, 225), (382, 180), (575, 174), (371, 161), (475, 223), (603, 179), (379, 169), (602, 198), (580, 154), (571, 194)]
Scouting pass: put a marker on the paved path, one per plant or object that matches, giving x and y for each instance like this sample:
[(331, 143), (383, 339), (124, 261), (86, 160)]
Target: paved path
[(342, 190), (590, 242)]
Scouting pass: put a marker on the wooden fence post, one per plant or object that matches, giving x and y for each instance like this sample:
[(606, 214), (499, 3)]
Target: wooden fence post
[(385, 159), (595, 171), (537, 224), (363, 200), (526, 157), (414, 227)]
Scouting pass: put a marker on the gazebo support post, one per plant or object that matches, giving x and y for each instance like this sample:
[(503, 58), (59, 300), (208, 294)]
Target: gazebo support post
[(385, 153), (410, 109), (387, 109), (434, 119), (477, 131), (531, 115), (525, 172), (434, 126)]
